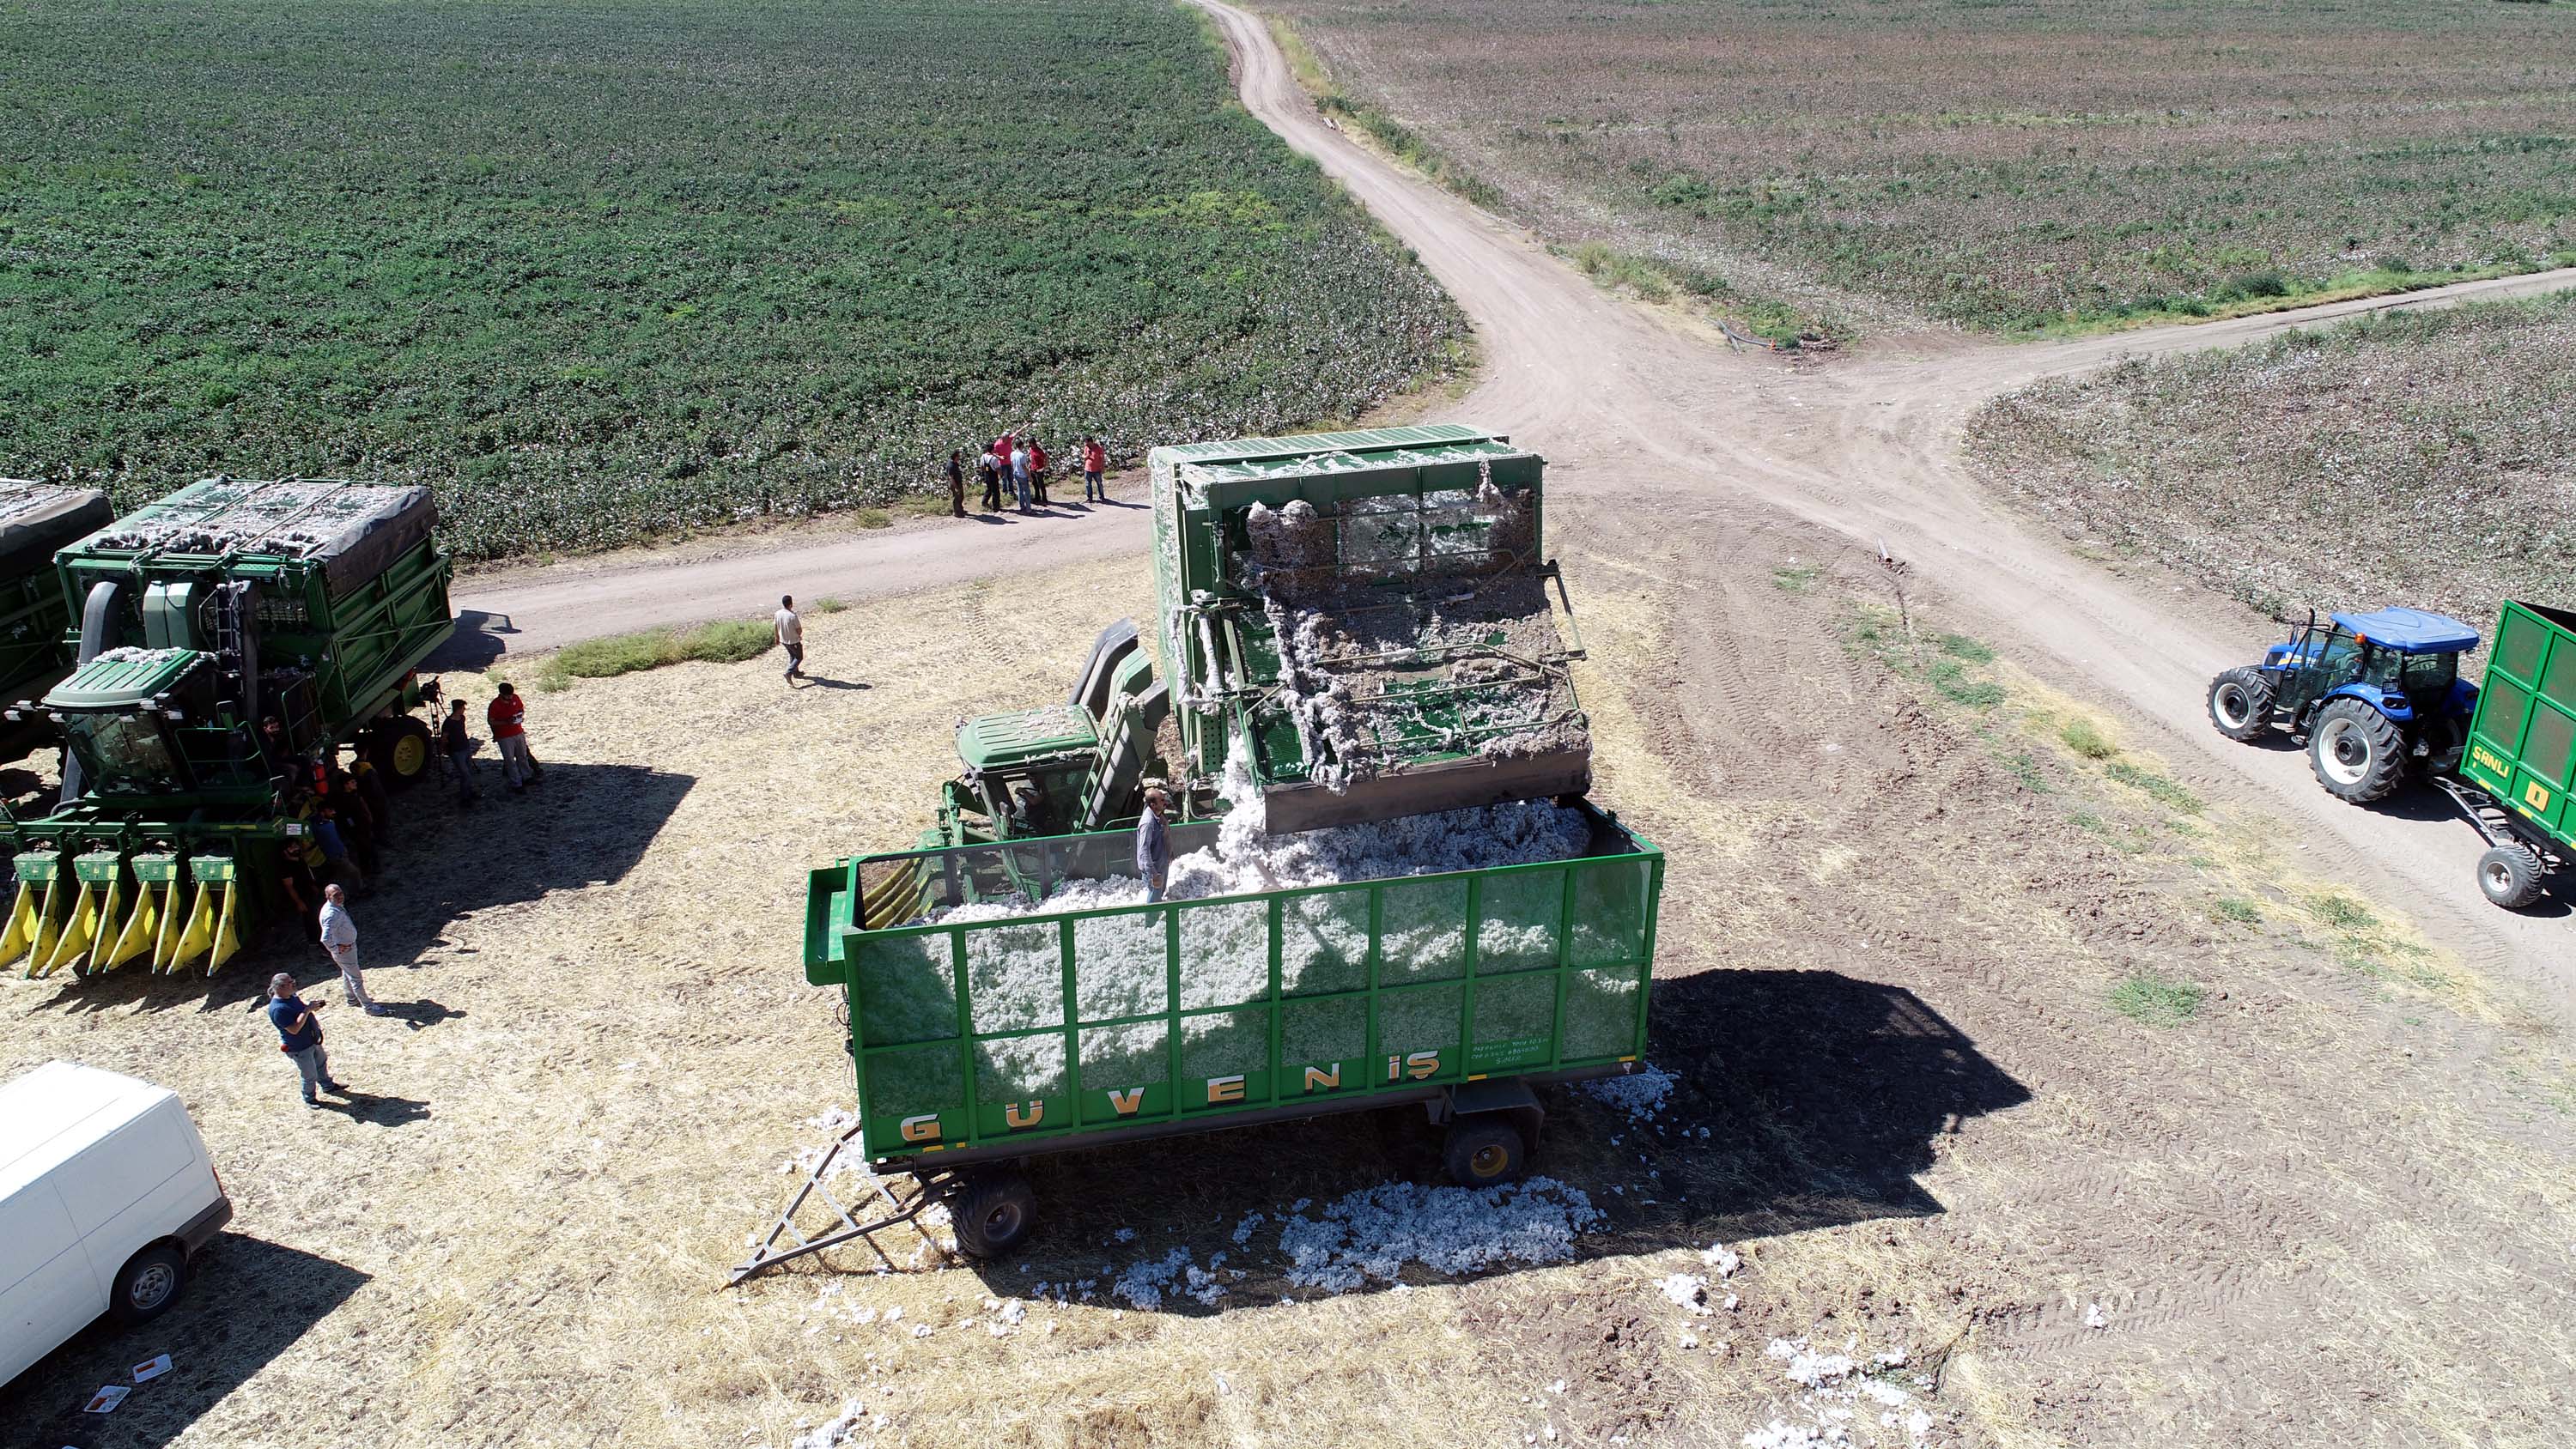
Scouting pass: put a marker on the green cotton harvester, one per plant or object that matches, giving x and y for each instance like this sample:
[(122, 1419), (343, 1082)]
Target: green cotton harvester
[(1388, 886), (311, 600)]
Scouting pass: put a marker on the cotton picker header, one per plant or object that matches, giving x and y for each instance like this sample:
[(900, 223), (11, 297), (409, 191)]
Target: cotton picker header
[(312, 600)]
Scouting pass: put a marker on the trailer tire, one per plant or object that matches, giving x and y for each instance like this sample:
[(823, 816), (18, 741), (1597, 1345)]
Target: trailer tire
[(2511, 875), (1484, 1151), (2356, 752), (993, 1214), (402, 750), (148, 1284), (2240, 704)]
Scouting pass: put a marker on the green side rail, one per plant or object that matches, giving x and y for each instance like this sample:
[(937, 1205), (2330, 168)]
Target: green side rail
[(992, 1038)]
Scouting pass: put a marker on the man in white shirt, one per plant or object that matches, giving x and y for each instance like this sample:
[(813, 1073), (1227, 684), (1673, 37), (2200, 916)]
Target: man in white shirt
[(340, 939), (791, 636)]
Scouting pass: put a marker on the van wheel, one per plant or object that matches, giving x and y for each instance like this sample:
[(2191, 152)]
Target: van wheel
[(1484, 1151), (148, 1284), (993, 1214)]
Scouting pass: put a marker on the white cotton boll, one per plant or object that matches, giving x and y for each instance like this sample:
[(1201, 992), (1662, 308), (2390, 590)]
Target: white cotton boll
[(1687, 1291), (1721, 1258), (2094, 1317)]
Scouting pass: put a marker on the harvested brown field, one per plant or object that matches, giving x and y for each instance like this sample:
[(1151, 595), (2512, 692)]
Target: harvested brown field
[(2000, 166), (2422, 458), (1977, 1042)]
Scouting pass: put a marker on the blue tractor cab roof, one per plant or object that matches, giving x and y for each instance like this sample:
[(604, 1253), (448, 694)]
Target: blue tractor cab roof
[(2410, 631)]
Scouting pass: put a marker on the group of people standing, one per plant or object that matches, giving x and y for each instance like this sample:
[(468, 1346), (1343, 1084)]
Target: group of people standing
[(344, 812), (1018, 461)]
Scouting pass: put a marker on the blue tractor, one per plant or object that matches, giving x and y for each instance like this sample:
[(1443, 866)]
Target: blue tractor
[(2376, 694)]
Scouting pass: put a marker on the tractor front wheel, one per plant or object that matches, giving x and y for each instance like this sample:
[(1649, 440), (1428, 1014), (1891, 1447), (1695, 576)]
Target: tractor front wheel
[(2240, 703), (2510, 875), (2356, 752)]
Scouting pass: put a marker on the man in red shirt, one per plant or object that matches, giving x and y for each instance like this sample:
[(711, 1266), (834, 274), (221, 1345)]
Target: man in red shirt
[(510, 735), (1037, 472), (1095, 461)]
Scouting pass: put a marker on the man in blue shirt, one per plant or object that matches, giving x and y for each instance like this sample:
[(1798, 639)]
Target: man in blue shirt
[(300, 1037), (1154, 844)]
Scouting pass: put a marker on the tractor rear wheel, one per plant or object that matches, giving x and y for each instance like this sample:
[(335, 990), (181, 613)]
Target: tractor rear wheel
[(2240, 703), (2356, 752), (993, 1214), (2510, 875)]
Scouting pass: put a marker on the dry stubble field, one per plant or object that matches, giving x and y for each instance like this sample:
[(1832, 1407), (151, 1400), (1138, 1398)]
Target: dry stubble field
[(2313, 1176), (2005, 165), (2423, 458)]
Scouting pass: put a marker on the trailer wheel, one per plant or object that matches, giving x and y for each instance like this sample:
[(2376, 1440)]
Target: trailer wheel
[(1484, 1151), (2510, 875), (2356, 752), (148, 1284), (2240, 703), (993, 1214), (400, 750)]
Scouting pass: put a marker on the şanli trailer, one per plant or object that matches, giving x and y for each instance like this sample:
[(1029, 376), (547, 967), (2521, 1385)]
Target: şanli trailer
[(1360, 625), (311, 600)]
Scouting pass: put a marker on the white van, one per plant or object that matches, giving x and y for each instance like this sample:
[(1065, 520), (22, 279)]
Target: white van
[(106, 1192)]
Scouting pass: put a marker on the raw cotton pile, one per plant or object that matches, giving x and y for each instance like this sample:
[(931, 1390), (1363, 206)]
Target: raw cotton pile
[(1371, 1235), (21, 497), (297, 516), (1015, 966)]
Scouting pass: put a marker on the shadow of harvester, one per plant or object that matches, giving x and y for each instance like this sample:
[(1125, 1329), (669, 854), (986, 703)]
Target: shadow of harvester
[(585, 825), (1800, 1100), (247, 1301)]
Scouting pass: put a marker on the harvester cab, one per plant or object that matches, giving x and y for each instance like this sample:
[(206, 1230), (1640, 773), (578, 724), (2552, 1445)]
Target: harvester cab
[(2375, 694), (1060, 768)]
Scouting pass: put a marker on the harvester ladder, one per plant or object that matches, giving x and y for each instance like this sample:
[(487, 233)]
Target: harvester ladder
[(787, 1240)]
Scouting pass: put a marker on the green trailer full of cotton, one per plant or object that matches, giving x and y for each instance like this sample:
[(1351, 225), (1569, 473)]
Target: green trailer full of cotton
[(1033, 1001)]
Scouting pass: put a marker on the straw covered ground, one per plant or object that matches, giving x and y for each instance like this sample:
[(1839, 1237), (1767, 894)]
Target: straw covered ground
[(2007, 1095)]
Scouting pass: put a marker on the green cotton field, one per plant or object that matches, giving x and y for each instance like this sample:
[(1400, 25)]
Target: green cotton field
[(600, 272), (2001, 165)]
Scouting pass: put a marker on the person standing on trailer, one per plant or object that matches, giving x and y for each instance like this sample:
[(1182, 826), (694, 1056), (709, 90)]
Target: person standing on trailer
[(1154, 845), (1095, 463), (789, 626), (458, 747), (506, 717), (300, 1037), (340, 940)]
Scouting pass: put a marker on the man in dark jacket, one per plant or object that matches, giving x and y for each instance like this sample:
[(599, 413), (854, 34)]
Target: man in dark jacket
[(300, 1037), (957, 483), (1154, 844), (458, 746)]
